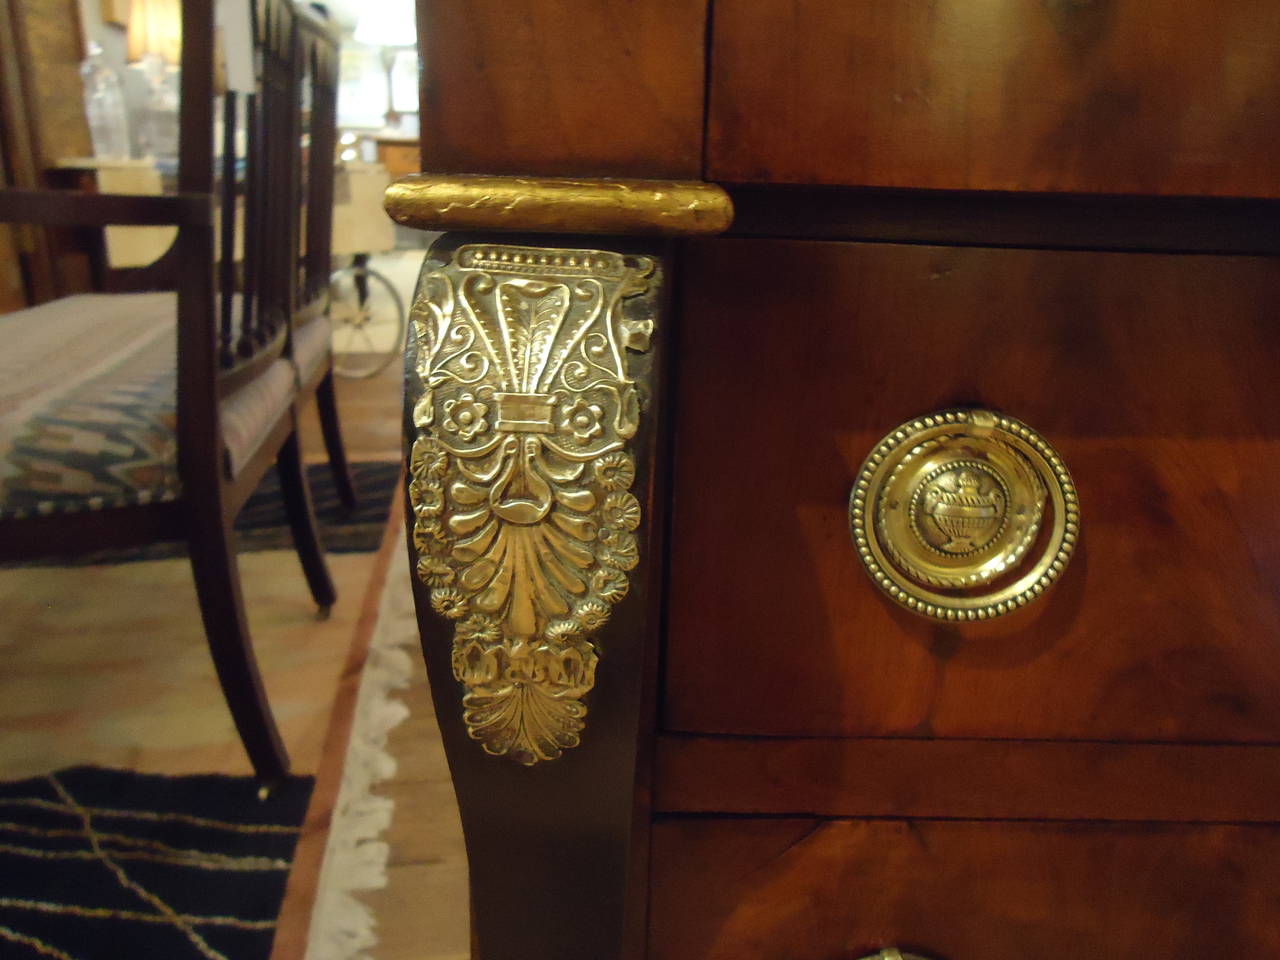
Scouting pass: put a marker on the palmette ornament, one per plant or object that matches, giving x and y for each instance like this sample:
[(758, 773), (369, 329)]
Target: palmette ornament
[(524, 522)]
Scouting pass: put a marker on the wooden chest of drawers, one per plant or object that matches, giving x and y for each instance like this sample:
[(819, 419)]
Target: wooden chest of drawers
[(898, 573), (1048, 784)]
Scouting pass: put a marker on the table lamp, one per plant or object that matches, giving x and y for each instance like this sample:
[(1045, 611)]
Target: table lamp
[(388, 24)]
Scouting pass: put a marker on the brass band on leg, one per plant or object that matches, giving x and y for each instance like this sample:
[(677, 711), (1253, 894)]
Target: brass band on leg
[(559, 205)]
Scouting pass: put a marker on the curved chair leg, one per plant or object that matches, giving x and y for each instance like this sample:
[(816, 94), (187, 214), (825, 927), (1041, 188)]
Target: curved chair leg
[(327, 406), (213, 561), (302, 521)]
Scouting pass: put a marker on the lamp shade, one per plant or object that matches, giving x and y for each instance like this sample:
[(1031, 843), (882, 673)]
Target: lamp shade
[(155, 27), (387, 23)]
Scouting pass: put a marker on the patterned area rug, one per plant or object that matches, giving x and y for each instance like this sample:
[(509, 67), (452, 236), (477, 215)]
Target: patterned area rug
[(262, 524), (102, 864)]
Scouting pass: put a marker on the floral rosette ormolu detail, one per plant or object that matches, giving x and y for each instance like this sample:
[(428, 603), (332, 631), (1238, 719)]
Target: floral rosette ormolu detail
[(524, 523)]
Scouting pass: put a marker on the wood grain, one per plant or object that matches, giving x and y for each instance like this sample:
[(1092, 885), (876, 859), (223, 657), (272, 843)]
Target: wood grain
[(40, 51), (1154, 378), (12, 295), (610, 88), (51, 49), (787, 889), (13, 292), (1113, 96), (978, 779)]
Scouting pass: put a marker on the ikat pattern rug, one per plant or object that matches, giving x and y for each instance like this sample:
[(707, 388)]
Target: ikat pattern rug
[(100, 864)]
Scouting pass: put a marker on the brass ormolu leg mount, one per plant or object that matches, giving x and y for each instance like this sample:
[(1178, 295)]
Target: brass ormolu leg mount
[(532, 413)]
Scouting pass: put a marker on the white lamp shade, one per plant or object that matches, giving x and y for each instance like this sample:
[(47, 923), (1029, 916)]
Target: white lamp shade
[(155, 27), (387, 23)]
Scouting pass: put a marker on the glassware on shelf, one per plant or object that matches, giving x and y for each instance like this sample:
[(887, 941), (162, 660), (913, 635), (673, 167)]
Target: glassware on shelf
[(104, 107), (160, 122)]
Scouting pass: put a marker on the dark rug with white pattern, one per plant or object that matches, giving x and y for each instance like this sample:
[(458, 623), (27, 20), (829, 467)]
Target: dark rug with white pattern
[(262, 524)]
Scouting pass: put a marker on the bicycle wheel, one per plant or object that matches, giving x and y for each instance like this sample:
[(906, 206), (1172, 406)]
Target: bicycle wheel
[(367, 315)]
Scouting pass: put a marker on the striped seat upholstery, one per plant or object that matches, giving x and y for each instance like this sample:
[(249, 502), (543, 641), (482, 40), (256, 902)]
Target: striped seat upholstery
[(88, 408), (311, 346)]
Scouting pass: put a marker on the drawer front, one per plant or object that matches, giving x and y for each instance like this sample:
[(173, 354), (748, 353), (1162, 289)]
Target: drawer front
[(1111, 96), (835, 890), (1153, 376)]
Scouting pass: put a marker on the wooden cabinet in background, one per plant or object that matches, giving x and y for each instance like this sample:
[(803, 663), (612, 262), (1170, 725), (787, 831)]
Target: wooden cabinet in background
[(400, 157), (42, 119)]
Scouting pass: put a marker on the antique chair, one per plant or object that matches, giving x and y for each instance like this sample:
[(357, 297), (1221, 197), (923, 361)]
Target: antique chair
[(898, 573), (140, 415)]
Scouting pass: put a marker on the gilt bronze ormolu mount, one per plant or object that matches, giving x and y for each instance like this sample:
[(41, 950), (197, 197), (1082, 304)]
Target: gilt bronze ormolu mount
[(524, 523)]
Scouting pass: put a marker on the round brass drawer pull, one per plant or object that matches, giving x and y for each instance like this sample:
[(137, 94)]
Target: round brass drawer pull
[(891, 953), (964, 514)]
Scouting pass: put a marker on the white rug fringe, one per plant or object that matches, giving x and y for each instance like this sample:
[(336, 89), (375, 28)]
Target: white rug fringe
[(355, 859)]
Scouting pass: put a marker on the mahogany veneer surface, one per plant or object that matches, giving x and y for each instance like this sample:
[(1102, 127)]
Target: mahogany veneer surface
[(1154, 376), (979, 779), (1098, 96), (613, 88), (831, 890)]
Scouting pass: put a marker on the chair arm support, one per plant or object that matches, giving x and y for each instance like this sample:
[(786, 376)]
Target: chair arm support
[(75, 208)]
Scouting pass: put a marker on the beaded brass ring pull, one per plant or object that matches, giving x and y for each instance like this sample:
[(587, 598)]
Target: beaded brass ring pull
[(964, 515)]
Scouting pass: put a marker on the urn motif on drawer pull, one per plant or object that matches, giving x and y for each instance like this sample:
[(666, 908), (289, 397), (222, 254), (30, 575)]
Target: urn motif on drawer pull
[(967, 501), (964, 514)]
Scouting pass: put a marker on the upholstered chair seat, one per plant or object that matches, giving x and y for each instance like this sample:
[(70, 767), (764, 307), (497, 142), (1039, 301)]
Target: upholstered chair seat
[(88, 404)]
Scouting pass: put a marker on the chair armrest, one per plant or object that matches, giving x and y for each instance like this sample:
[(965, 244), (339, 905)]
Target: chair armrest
[(76, 208)]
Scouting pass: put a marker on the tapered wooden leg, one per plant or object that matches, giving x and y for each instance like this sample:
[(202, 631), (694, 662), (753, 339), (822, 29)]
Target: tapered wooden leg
[(536, 521), (213, 561), (327, 406), (302, 521)]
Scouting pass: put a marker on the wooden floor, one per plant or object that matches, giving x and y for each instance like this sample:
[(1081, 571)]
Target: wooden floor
[(423, 913), (108, 665), (370, 414)]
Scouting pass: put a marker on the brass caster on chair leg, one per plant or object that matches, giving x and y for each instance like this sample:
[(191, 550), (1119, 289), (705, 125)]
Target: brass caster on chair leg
[(322, 613)]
